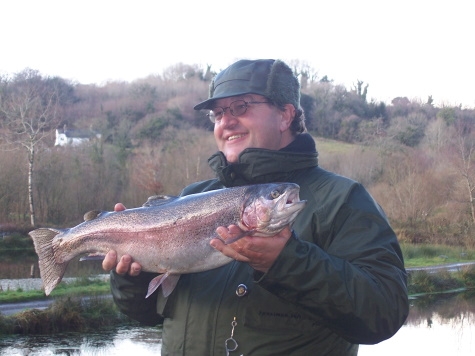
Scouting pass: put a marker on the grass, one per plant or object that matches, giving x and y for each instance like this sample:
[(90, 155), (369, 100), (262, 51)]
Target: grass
[(423, 255), (424, 283), (69, 312), (331, 146), (81, 287)]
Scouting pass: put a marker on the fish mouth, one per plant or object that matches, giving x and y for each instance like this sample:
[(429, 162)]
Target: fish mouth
[(289, 203), (280, 212)]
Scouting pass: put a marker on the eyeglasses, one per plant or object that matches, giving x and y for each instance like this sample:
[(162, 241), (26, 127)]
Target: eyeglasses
[(236, 108)]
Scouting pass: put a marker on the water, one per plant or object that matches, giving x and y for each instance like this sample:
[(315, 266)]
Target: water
[(128, 341), (445, 326), (28, 268)]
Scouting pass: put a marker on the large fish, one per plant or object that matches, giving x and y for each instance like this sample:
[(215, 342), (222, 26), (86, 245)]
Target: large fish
[(169, 235)]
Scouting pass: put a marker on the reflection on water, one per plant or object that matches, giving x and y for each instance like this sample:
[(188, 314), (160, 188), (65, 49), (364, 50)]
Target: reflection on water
[(24, 269), (130, 341), (442, 326)]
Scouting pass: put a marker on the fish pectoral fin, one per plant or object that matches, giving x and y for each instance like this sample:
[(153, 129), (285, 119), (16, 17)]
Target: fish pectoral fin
[(167, 281), (237, 237), (93, 257)]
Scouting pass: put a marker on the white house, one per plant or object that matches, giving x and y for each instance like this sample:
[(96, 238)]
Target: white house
[(74, 138)]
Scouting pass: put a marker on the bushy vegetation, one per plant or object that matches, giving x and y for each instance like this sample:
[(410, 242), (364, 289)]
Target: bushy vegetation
[(16, 245), (415, 158), (423, 282), (65, 314)]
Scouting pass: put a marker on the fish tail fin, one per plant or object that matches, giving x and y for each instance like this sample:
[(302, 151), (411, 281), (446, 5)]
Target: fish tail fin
[(50, 271), (166, 280)]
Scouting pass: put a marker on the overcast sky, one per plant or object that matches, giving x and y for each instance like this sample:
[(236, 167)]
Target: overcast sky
[(412, 48)]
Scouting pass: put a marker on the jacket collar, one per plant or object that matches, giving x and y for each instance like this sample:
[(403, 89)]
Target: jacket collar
[(256, 165)]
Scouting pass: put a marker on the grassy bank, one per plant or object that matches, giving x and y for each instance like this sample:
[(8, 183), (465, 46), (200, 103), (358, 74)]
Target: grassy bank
[(69, 312), (65, 314), (423, 255), (424, 283), (414, 256), (80, 287)]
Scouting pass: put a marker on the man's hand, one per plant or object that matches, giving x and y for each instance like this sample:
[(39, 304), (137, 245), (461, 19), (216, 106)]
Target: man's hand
[(125, 264), (259, 252)]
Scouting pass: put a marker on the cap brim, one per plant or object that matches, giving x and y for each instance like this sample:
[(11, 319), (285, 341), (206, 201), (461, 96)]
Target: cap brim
[(204, 104), (207, 104)]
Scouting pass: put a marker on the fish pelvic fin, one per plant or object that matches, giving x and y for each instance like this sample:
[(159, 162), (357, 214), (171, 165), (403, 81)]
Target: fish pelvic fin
[(50, 271), (167, 281)]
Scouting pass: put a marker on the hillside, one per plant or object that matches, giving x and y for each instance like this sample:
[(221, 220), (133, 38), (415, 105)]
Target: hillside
[(415, 158)]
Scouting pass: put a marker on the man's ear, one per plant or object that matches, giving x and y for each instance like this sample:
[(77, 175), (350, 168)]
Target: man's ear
[(288, 115)]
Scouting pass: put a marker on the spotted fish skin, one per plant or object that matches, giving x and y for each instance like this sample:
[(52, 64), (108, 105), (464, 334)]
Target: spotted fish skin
[(169, 235)]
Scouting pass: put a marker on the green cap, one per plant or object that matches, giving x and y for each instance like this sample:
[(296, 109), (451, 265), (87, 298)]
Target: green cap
[(268, 77)]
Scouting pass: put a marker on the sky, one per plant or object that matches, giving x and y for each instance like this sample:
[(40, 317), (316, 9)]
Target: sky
[(411, 48)]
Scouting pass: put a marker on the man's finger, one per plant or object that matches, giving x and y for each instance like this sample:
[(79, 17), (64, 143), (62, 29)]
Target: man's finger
[(110, 260), (124, 265)]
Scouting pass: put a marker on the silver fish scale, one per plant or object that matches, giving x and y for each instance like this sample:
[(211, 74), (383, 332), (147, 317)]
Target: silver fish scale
[(172, 237), (160, 237)]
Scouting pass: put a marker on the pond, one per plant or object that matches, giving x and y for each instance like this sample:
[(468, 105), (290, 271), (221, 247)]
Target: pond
[(128, 341), (442, 326)]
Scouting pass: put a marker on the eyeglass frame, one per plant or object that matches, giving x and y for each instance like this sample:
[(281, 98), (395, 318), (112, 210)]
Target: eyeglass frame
[(212, 116)]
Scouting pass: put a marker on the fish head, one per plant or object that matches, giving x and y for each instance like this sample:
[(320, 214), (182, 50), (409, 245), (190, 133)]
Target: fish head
[(268, 208)]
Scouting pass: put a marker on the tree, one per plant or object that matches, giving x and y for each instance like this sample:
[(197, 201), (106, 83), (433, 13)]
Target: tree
[(465, 148), (28, 113), (358, 89), (304, 71)]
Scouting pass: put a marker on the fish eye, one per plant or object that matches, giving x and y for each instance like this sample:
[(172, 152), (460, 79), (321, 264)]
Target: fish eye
[(275, 194)]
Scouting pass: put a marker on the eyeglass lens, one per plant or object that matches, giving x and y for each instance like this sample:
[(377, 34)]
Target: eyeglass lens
[(236, 108)]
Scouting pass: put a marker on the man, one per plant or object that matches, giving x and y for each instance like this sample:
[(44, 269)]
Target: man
[(335, 281)]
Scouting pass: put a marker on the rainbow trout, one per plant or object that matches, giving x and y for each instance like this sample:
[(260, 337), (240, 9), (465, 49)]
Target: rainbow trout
[(169, 235)]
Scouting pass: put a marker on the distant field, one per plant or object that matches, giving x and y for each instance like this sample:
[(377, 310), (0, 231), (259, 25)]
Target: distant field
[(327, 146)]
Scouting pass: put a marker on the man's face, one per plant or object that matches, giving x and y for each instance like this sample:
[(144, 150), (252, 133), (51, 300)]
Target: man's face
[(261, 126)]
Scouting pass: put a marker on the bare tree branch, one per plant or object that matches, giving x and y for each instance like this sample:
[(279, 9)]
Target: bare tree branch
[(28, 112)]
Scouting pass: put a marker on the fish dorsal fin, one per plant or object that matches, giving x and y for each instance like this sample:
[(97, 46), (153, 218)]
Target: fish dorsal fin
[(91, 215), (156, 200)]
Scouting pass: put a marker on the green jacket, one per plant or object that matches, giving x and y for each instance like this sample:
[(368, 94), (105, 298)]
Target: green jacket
[(339, 282)]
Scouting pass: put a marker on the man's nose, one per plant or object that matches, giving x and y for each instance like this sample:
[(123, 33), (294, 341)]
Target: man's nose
[(228, 119)]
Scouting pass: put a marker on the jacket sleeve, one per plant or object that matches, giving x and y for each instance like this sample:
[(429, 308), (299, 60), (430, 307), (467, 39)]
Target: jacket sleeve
[(355, 280), (129, 296)]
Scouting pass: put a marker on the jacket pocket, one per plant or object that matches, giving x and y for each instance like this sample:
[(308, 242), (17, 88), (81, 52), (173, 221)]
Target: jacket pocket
[(263, 310)]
